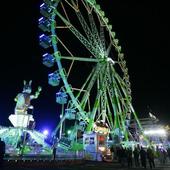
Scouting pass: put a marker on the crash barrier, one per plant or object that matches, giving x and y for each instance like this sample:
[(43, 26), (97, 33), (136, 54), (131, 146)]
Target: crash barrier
[(61, 159), (67, 155), (40, 163)]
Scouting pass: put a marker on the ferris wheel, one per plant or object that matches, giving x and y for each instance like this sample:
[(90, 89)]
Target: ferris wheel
[(91, 73)]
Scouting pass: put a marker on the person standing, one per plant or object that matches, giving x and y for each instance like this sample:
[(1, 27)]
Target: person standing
[(165, 154), (136, 156), (2, 152), (168, 152), (143, 157), (54, 153), (150, 156), (129, 157), (122, 156)]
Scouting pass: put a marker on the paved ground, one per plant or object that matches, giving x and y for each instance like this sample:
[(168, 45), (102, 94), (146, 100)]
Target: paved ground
[(83, 166)]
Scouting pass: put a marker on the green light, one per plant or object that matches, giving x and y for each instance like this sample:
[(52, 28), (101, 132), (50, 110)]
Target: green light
[(68, 132)]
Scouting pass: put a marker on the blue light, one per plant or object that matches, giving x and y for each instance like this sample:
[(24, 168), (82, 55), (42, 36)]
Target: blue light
[(45, 54), (42, 35), (42, 5), (41, 19), (45, 132)]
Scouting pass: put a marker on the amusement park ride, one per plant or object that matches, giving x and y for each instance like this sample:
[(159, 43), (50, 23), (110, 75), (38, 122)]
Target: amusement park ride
[(22, 138), (90, 74), (91, 70)]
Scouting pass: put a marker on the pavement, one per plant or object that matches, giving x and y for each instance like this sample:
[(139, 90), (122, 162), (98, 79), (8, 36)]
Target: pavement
[(81, 165)]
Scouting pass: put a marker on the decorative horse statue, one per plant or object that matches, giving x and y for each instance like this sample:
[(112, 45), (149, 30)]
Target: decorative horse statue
[(23, 100)]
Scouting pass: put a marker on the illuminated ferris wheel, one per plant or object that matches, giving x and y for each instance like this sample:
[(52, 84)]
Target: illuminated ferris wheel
[(91, 75)]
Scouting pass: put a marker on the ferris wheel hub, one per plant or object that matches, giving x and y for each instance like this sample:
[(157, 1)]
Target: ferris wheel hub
[(110, 60)]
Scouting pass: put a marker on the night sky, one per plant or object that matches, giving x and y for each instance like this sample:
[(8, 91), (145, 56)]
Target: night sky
[(143, 32)]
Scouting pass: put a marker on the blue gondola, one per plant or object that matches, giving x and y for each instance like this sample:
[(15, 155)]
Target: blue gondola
[(48, 60), (44, 24), (54, 79), (45, 10), (70, 114), (61, 97), (45, 41), (52, 2)]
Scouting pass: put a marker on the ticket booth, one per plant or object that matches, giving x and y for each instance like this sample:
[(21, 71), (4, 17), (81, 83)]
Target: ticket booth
[(95, 145)]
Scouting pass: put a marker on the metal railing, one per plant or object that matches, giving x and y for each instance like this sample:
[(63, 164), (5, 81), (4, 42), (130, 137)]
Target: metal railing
[(69, 155)]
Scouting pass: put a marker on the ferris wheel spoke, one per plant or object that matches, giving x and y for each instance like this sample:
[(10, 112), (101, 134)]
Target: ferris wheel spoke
[(98, 116), (72, 4), (85, 42), (103, 97), (86, 5), (84, 85), (129, 106), (80, 59), (120, 80), (98, 88), (96, 102), (93, 113), (66, 48), (102, 37), (82, 90), (110, 89), (109, 117), (119, 110), (85, 97), (88, 32), (71, 65), (85, 26), (125, 105), (120, 89), (65, 12), (120, 113), (124, 89), (80, 37), (109, 122), (123, 98), (94, 30), (109, 49)]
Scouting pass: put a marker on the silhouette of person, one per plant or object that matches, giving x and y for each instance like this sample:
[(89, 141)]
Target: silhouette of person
[(129, 157), (136, 157), (2, 152), (123, 156), (168, 151), (150, 156), (54, 152), (143, 156)]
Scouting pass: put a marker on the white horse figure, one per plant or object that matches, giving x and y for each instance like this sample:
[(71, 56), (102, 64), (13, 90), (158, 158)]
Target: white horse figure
[(23, 100)]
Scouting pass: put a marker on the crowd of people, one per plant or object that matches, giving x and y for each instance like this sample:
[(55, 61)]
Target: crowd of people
[(140, 156)]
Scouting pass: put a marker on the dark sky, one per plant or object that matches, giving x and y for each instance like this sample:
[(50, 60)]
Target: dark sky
[(143, 32)]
